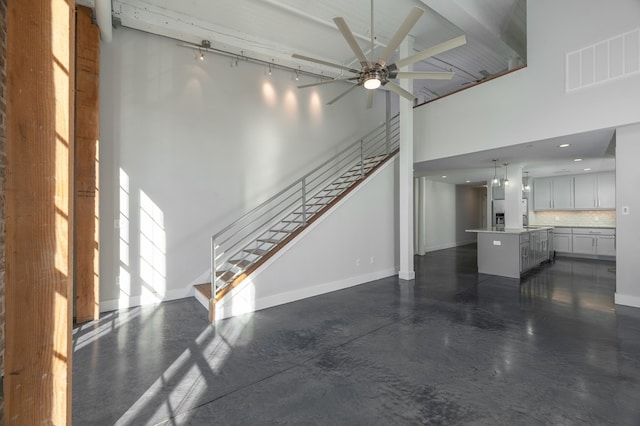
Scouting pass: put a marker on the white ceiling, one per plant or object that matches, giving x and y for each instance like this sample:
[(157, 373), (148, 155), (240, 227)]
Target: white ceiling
[(272, 30), (541, 158)]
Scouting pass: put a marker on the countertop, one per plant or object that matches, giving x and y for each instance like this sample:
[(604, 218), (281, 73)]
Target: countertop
[(581, 226), (502, 230)]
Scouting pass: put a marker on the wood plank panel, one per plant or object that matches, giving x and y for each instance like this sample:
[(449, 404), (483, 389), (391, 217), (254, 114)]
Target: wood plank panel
[(87, 276), (39, 214)]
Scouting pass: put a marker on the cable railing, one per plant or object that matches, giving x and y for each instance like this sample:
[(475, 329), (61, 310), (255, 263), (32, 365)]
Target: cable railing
[(242, 244)]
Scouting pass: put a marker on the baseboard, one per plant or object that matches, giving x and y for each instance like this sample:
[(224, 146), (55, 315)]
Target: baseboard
[(584, 256), (130, 302), (450, 245), (407, 275), (245, 306), (626, 300)]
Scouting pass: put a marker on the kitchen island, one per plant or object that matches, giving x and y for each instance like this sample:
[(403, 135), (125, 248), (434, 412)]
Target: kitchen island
[(510, 252)]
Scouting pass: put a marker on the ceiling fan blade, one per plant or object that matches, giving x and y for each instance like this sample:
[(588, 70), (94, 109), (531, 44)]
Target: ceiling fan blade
[(426, 75), (399, 90), (400, 34), (353, 43), (432, 51), (321, 62), (342, 94), (326, 82), (370, 97)]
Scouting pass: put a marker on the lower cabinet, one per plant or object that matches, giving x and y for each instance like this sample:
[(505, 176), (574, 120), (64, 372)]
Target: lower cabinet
[(534, 249), (563, 240), (585, 244), (606, 245), (524, 253), (596, 241)]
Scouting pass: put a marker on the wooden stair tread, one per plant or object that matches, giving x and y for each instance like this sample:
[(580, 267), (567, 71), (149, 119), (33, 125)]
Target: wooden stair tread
[(256, 251), (241, 263), (269, 240), (225, 275), (204, 289)]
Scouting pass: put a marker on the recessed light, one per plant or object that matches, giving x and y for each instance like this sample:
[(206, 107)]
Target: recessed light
[(587, 169), (444, 177), (467, 181), (564, 145), (577, 159)]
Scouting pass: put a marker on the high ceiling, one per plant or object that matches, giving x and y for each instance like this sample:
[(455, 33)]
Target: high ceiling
[(273, 30)]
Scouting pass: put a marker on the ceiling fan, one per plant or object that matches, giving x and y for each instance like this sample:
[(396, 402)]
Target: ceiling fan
[(372, 74)]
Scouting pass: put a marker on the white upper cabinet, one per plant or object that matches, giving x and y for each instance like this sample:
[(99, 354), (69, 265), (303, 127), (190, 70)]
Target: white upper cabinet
[(553, 193), (595, 191), (542, 194), (581, 192), (606, 190), (562, 189), (585, 191)]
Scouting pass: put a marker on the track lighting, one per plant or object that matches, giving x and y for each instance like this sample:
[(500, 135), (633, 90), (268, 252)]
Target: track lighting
[(205, 44)]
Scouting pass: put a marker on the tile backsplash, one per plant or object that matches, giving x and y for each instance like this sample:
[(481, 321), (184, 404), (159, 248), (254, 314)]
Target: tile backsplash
[(573, 218)]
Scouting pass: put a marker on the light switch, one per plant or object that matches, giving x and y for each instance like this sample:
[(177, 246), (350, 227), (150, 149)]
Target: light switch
[(625, 210), (497, 243)]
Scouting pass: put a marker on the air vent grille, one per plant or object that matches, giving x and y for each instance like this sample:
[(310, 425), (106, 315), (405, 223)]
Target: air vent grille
[(605, 61)]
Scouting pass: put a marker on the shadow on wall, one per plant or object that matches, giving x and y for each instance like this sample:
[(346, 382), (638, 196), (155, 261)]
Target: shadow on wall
[(142, 253)]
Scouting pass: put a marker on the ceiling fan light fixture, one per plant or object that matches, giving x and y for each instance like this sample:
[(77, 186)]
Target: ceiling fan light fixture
[(372, 83), (372, 80)]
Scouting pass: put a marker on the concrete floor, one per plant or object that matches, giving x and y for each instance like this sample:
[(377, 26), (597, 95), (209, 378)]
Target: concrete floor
[(451, 348)]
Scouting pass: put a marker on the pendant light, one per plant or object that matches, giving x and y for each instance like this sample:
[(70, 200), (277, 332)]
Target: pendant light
[(495, 181), (525, 186), (506, 176)]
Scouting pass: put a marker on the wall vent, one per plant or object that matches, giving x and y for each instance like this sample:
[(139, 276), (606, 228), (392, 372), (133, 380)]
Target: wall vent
[(605, 61)]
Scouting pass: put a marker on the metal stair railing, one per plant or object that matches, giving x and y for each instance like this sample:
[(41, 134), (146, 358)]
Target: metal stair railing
[(242, 243)]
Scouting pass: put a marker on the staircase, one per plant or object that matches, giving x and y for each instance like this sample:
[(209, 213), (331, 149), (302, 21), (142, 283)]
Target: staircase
[(246, 244)]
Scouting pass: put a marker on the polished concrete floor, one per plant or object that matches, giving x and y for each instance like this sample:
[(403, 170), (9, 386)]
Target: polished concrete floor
[(451, 348)]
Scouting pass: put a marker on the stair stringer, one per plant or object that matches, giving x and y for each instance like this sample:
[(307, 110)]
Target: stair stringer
[(324, 256)]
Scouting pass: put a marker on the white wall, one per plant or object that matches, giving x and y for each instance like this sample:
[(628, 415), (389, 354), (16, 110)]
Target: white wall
[(187, 146), (531, 104), (444, 211), (627, 212), (353, 244)]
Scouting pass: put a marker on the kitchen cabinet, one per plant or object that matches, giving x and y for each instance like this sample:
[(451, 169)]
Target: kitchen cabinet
[(525, 260), (542, 194), (594, 241), (538, 247), (562, 192), (563, 240), (606, 245), (606, 190), (584, 244), (553, 193), (595, 191)]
